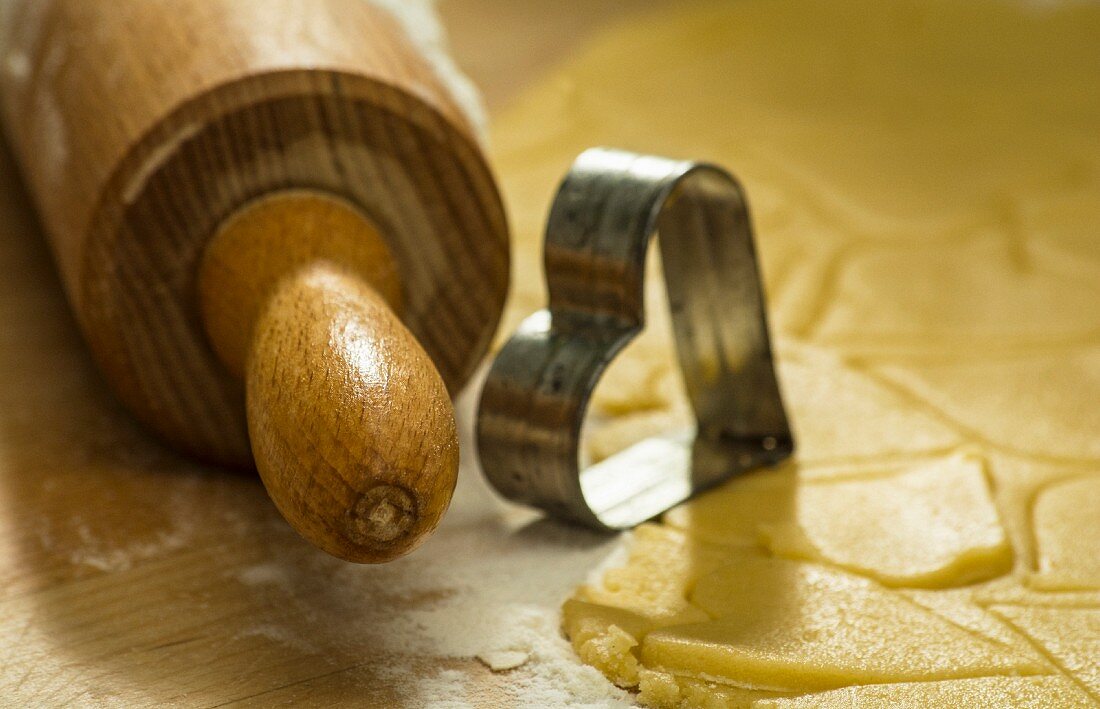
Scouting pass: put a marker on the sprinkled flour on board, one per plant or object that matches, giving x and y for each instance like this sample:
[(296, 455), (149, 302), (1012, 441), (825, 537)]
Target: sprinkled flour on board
[(484, 592), (475, 610)]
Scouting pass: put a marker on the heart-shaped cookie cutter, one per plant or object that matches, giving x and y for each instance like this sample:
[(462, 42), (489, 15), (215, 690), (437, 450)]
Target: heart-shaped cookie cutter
[(535, 398)]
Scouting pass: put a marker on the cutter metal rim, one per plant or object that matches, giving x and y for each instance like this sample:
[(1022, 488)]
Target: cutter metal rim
[(610, 206)]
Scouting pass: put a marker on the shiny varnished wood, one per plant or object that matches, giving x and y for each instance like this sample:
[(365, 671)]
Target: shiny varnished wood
[(350, 424), (144, 127)]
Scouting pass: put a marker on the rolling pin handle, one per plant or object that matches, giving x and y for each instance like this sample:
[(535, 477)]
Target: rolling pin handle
[(351, 426)]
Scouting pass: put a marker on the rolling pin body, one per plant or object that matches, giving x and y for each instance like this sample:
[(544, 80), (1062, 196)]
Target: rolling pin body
[(148, 130)]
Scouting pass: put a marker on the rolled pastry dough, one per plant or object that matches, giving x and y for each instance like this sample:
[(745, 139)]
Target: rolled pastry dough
[(924, 179)]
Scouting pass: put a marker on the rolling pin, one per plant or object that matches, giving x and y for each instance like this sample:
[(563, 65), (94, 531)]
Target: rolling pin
[(279, 236)]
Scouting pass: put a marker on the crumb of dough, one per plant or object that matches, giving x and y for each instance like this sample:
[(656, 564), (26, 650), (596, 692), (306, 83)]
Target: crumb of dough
[(663, 689), (503, 660)]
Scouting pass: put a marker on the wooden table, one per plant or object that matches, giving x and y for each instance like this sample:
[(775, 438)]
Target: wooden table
[(129, 575)]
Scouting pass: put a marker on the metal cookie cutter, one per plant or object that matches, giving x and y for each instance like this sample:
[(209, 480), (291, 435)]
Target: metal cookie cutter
[(534, 401)]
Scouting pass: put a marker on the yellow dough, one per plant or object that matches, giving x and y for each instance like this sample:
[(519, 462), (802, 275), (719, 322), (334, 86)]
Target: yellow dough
[(931, 525), (983, 693), (924, 524), (923, 177), (1066, 519), (793, 625), (1069, 636)]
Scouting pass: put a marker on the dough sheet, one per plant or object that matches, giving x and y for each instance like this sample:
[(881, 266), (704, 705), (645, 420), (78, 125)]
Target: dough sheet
[(924, 180)]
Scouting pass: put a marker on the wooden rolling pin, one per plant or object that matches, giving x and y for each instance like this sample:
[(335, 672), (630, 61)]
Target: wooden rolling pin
[(279, 236)]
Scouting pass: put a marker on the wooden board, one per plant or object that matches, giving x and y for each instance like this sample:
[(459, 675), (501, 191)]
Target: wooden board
[(131, 576)]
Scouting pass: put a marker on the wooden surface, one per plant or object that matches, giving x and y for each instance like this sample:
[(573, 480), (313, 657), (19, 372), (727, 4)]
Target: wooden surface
[(129, 575)]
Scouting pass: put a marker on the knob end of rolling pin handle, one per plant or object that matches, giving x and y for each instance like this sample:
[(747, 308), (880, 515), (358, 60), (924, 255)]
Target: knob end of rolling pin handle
[(382, 515), (350, 423)]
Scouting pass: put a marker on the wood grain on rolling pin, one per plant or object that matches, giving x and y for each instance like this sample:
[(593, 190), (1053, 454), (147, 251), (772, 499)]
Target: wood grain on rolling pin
[(279, 237), (141, 138), (351, 426), (129, 576)]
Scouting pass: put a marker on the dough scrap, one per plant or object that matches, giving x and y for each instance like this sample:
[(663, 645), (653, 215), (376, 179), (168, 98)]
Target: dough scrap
[(658, 688), (1070, 637), (1027, 404), (605, 637), (931, 298), (662, 566), (931, 524), (1066, 523), (792, 625), (934, 525), (958, 606)]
